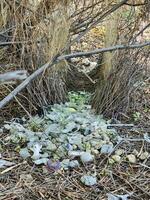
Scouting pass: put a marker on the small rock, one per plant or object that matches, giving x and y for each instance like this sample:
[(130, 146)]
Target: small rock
[(119, 152), (97, 144), (135, 152), (74, 164), (24, 153), (53, 166), (89, 180), (41, 161), (86, 157), (75, 153), (5, 163), (95, 151), (69, 147), (144, 155), (75, 139), (50, 146), (65, 164), (111, 161), (118, 197), (116, 158), (131, 158), (107, 149)]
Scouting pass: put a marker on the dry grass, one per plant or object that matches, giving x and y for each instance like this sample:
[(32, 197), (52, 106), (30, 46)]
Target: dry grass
[(113, 95), (42, 28)]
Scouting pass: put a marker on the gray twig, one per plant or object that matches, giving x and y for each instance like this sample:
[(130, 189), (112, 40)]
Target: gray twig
[(58, 59)]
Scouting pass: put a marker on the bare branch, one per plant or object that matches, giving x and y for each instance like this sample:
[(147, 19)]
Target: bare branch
[(10, 43), (25, 83), (141, 31), (58, 59), (138, 4), (113, 9), (97, 51)]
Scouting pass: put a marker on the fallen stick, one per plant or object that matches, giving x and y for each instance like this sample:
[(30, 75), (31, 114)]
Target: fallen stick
[(24, 84), (120, 125)]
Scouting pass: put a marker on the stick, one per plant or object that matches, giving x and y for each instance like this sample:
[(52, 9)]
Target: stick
[(24, 84), (58, 59), (97, 51), (120, 125), (113, 9), (11, 43)]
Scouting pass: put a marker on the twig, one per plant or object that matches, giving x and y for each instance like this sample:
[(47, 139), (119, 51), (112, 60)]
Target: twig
[(97, 51), (141, 31), (60, 58), (25, 83), (120, 125), (113, 9), (10, 43), (143, 165), (137, 4), (12, 167)]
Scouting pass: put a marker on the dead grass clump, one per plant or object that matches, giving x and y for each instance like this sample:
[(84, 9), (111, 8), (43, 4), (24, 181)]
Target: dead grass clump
[(40, 29), (113, 97), (113, 93)]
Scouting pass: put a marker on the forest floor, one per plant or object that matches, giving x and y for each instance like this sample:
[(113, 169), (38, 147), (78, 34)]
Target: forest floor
[(131, 176)]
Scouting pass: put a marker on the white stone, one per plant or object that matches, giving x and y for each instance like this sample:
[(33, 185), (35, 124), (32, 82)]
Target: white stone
[(131, 158), (116, 158), (74, 163), (86, 157), (89, 180)]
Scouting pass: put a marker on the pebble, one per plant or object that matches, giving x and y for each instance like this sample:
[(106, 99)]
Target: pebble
[(50, 146), (131, 158), (86, 157), (74, 164), (144, 155), (75, 153), (116, 158), (107, 149), (89, 180), (65, 164), (119, 152)]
